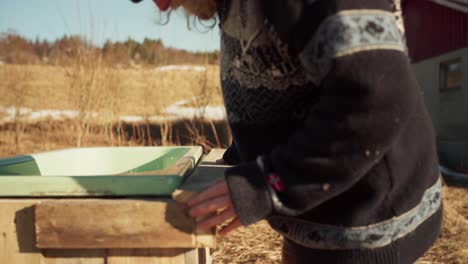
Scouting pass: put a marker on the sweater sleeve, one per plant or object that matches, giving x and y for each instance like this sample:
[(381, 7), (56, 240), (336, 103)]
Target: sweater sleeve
[(356, 58), (231, 156)]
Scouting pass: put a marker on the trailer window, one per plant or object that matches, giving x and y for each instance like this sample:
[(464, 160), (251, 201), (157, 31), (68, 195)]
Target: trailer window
[(451, 75)]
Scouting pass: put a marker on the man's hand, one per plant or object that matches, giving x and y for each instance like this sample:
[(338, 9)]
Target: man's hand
[(215, 206)]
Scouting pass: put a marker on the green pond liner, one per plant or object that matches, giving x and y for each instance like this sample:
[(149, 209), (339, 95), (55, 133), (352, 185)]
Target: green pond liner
[(95, 172)]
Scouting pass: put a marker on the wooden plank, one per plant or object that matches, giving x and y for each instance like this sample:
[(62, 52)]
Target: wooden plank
[(203, 256), (17, 234), (125, 223), (205, 173), (68, 256), (159, 256), (17, 243), (148, 256)]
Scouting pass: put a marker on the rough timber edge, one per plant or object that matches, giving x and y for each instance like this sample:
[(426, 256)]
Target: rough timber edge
[(206, 172)]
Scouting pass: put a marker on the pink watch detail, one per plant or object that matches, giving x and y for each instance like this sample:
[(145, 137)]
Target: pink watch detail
[(275, 182)]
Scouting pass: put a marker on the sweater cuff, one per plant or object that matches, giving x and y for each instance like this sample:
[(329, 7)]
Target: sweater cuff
[(231, 155), (249, 193)]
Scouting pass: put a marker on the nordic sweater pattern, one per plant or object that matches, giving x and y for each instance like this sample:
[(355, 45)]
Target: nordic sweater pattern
[(322, 92), (375, 236)]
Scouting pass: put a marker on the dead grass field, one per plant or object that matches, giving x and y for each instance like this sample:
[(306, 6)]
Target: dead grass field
[(114, 92), (143, 91), (100, 95)]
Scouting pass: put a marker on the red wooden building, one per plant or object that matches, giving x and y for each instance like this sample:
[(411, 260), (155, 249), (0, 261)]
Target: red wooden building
[(435, 27), (437, 39)]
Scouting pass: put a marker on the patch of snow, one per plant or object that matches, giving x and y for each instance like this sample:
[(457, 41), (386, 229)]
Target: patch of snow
[(208, 112), (181, 68), (131, 119), (29, 114), (173, 112), (54, 114), (187, 101), (179, 109), (180, 103)]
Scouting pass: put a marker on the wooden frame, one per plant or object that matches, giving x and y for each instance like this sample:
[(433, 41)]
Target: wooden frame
[(103, 231)]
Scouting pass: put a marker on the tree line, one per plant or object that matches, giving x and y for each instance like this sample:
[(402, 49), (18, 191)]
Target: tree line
[(15, 49)]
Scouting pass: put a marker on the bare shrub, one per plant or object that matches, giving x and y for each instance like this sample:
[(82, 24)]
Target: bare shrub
[(16, 89), (85, 91)]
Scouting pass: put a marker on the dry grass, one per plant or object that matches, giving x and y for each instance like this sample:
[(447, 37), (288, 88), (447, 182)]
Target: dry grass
[(100, 95), (254, 244), (260, 244), (122, 91), (452, 246)]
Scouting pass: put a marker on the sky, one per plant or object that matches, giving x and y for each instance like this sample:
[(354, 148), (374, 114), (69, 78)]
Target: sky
[(100, 20)]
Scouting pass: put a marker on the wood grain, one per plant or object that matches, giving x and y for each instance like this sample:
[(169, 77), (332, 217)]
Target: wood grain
[(113, 223), (206, 173), (17, 245), (147, 256), (82, 256), (159, 256)]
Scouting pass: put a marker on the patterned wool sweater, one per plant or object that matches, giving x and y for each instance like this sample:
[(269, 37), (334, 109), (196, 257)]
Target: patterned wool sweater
[(332, 140)]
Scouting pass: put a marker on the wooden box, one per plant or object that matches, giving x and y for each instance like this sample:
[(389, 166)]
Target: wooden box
[(111, 229)]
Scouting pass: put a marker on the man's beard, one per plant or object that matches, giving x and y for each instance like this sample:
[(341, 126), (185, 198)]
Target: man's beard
[(203, 9)]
